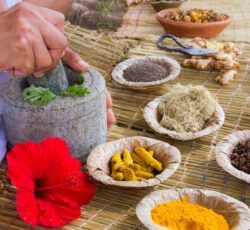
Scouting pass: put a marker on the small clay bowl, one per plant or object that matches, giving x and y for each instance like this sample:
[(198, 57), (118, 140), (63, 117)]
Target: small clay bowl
[(235, 212), (152, 118), (173, 66), (190, 29), (163, 4), (98, 162), (225, 147)]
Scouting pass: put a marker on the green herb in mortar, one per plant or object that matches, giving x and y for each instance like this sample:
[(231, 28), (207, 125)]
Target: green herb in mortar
[(38, 95), (75, 90)]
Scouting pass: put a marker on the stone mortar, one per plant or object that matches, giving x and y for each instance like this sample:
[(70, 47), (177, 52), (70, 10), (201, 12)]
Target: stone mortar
[(81, 121)]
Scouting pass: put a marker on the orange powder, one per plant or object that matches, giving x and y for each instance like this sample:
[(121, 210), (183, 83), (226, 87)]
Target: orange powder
[(180, 215)]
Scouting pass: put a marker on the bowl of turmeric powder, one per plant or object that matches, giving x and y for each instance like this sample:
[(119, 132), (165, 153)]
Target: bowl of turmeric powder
[(134, 162), (194, 209)]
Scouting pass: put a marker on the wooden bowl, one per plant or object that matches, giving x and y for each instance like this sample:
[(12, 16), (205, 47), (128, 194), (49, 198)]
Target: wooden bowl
[(190, 29), (162, 5), (235, 212), (98, 163)]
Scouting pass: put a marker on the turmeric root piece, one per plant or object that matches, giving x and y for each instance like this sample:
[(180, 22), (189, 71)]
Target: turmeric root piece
[(148, 158), (127, 157), (226, 76), (135, 167), (145, 175), (129, 174), (116, 162), (140, 179), (116, 158), (138, 160), (118, 176), (151, 152)]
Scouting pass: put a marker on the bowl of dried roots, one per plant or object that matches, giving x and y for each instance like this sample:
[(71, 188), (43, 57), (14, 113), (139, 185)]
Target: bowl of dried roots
[(147, 72), (134, 162), (185, 113)]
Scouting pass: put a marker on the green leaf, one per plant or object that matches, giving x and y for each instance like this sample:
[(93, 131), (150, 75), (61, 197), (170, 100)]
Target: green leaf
[(75, 90), (38, 95)]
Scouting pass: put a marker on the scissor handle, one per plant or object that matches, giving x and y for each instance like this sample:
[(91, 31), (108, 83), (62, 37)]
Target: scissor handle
[(168, 48)]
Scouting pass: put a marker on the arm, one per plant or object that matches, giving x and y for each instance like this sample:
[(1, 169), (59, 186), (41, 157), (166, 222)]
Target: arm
[(62, 6)]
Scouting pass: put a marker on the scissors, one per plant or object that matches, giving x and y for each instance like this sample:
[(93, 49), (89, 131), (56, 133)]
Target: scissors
[(190, 50)]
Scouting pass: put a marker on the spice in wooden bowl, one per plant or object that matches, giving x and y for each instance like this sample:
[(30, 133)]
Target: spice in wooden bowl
[(240, 157), (192, 209), (185, 113), (138, 165), (145, 72), (133, 162), (177, 215), (197, 16)]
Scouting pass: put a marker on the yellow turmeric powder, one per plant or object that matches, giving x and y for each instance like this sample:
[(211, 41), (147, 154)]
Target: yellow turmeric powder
[(182, 215)]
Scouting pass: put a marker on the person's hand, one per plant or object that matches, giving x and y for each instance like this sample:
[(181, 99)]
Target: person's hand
[(31, 39), (75, 62)]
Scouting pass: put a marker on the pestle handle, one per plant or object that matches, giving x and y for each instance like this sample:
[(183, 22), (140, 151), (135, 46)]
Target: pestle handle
[(55, 80)]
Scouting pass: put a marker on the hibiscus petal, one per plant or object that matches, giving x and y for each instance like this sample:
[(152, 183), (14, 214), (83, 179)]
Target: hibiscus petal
[(50, 185), (27, 207)]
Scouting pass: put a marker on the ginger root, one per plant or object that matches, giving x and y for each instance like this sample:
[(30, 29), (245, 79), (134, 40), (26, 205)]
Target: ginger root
[(226, 76), (225, 60)]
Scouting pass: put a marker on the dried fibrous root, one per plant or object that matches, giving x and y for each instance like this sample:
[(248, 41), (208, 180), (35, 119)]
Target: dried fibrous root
[(226, 76)]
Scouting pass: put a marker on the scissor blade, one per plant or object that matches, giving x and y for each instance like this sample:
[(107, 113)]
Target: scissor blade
[(200, 52)]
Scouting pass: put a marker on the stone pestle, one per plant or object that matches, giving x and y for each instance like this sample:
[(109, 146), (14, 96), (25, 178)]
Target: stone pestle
[(55, 80)]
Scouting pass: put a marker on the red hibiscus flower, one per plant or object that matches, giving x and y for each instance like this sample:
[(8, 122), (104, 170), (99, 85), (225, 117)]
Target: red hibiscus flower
[(50, 184)]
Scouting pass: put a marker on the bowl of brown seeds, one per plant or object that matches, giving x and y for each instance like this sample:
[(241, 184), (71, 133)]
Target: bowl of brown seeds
[(233, 154), (146, 72)]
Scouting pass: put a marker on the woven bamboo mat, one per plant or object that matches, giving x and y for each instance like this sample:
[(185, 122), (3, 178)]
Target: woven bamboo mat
[(140, 21), (114, 208)]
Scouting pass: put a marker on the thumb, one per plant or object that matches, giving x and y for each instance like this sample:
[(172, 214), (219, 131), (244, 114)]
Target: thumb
[(74, 61)]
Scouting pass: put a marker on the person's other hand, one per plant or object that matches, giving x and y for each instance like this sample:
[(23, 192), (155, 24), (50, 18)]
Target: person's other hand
[(31, 39), (75, 62)]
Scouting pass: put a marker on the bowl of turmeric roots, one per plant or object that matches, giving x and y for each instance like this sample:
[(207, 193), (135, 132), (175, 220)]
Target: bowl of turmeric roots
[(134, 162)]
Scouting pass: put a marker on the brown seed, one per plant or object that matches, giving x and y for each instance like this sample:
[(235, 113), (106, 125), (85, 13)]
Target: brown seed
[(146, 72)]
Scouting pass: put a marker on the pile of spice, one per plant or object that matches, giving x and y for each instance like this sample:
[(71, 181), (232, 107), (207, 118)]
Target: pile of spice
[(240, 157), (226, 60), (136, 166), (145, 72), (182, 215), (196, 16), (187, 108)]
